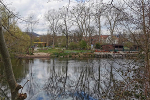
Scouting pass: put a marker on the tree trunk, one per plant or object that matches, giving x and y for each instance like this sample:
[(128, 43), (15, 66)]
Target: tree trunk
[(67, 41), (53, 43), (53, 39), (14, 87), (99, 27)]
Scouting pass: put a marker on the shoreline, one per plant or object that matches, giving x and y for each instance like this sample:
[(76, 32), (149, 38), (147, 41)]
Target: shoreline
[(80, 55), (35, 55)]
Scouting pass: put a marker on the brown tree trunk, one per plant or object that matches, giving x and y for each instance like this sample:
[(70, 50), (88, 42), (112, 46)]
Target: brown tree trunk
[(14, 87), (99, 27)]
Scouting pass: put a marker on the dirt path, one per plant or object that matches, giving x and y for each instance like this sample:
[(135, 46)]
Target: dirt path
[(36, 55)]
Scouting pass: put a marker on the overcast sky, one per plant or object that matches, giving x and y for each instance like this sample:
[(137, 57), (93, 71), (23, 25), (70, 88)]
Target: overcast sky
[(24, 8)]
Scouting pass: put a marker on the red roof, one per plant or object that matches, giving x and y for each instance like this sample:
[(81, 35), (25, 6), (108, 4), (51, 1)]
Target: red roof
[(104, 36)]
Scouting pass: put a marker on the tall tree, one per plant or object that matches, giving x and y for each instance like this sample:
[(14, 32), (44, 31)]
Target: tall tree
[(114, 14), (139, 28), (12, 31), (53, 19), (66, 23), (99, 9), (14, 87), (82, 16), (30, 28)]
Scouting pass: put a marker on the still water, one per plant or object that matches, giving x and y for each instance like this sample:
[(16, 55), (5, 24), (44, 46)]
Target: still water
[(72, 79)]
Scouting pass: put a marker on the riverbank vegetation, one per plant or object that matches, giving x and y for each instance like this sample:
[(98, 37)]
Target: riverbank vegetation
[(16, 40), (61, 52), (75, 31), (12, 40)]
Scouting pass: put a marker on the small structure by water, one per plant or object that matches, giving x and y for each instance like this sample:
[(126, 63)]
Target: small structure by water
[(112, 47)]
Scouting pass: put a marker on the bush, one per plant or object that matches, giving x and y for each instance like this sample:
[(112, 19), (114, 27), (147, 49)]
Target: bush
[(82, 44), (63, 45), (98, 46), (73, 45)]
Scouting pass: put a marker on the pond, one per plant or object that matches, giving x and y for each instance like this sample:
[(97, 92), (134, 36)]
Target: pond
[(73, 79)]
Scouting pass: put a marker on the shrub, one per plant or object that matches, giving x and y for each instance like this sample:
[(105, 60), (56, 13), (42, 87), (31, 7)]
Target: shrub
[(63, 45), (73, 45), (82, 44), (98, 46)]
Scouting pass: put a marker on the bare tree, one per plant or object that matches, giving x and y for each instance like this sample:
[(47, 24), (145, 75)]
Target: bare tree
[(92, 31), (82, 17), (77, 35), (99, 9), (30, 28), (66, 23), (114, 15), (53, 19), (139, 28)]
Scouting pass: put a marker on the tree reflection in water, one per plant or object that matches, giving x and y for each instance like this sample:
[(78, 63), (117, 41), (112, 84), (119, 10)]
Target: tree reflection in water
[(97, 79), (92, 79), (20, 69)]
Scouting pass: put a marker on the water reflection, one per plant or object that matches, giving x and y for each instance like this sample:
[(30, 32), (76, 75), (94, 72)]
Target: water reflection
[(20, 69), (73, 79)]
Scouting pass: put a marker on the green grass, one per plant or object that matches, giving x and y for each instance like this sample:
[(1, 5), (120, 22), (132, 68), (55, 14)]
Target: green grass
[(61, 52), (77, 51), (52, 51)]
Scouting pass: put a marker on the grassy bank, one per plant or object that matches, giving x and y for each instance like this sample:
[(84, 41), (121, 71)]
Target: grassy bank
[(59, 52)]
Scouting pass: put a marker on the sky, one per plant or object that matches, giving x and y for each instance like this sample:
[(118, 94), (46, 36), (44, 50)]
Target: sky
[(24, 8)]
